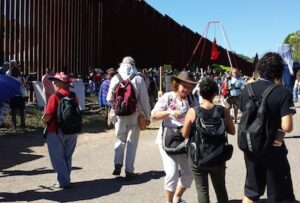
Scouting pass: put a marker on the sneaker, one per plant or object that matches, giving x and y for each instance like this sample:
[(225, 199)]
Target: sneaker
[(58, 186), (181, 200), (130, 175), (117, 170)]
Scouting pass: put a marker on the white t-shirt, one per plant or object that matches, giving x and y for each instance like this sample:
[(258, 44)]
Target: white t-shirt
[(169, 101)]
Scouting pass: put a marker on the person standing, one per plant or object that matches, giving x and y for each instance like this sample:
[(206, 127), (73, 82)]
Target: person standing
[(17, 103), (285, 51), (208, 91), (103, 93), (171, 107), (270, 170), (60, 146), (235, 85), (127, 130), (48, 88), (296, 88)]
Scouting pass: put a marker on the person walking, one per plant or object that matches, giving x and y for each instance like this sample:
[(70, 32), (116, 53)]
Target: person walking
[(127, 130), (235, 85), (17, 103), (48, 88), (208, 91), (171, 107), (60, 146), (271, 169), (103, 94)]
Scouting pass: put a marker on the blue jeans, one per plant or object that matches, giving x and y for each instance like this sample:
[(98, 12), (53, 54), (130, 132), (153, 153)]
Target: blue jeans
[(61, 148), (296, 91)]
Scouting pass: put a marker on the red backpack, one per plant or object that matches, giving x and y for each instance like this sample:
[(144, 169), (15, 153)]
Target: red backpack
[(124, 100), (224, 89)]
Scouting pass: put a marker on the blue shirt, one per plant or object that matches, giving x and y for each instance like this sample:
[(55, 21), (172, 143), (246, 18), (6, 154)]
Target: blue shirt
[(235, 85)]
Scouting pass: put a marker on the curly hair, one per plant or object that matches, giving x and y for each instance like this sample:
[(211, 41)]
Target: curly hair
[(270, 66), (208, 88)]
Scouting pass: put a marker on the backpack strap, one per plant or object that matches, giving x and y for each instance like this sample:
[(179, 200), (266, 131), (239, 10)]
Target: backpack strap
[(131, 77), (264, 94), (190, 100), (59, 95), (218, 112), (119, 77), (251, 92), (269, 89)]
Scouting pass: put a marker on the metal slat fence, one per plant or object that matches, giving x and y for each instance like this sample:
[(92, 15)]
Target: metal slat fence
[(72, 35), (51, 33)]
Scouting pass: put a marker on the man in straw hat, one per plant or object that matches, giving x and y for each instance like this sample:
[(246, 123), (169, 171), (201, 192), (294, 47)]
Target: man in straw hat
[(127, 129), (60, 146)]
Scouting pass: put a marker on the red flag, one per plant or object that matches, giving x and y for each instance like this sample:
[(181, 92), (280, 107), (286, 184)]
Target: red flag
[(214, 51)]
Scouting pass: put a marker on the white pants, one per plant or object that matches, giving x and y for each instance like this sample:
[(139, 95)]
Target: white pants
[(127, 133), (172, 164)]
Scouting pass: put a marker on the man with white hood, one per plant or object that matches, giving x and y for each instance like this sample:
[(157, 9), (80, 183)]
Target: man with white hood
[(127, 130)]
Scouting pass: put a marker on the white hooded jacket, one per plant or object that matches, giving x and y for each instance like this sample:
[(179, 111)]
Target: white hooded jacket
[(141, 92)]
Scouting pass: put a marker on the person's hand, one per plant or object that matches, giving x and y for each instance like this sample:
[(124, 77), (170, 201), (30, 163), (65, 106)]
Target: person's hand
[(160, 93), (174, 113)]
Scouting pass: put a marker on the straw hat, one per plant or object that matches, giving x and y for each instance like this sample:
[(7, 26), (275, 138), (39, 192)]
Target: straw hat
[(184, 76)]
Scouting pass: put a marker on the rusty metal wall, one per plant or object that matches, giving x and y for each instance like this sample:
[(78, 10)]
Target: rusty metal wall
[(62, 34), (71, 35)]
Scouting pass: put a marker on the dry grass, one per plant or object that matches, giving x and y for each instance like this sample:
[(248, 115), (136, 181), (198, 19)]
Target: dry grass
[(93, 121)]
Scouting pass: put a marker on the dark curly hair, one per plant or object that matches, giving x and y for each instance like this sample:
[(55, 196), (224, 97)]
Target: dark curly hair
[(208, 88), (270, 66)]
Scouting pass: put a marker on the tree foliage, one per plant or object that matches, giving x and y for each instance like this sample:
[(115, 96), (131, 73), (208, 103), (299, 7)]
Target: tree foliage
[(294, 40)]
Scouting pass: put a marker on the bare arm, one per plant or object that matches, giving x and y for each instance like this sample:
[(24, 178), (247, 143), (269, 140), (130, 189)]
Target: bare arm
[(287, 123), (188, 121), (230, 128), (160, 115)]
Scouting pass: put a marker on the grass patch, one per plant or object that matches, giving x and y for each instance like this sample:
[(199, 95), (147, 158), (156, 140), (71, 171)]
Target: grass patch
[(93, 121)]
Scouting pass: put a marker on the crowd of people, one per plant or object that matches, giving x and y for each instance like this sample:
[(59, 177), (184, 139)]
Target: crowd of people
[(189, 94)]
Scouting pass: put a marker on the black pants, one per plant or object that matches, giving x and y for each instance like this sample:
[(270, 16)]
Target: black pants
[(14, 117), (17, 104), (217, 175), (271, 170)]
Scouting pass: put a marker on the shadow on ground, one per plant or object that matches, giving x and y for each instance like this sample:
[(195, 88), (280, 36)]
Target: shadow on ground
[(85, 190), (37, 171), (259, 201), (15, 149)]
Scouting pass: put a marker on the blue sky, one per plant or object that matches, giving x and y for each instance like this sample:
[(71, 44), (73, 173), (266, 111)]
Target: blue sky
[(252, 26)]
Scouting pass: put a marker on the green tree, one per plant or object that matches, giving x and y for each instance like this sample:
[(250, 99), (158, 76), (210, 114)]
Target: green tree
[(294, 40)]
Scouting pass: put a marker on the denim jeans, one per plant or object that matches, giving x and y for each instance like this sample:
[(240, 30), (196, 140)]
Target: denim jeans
[(296, 92), (61, 148), (217, 175)]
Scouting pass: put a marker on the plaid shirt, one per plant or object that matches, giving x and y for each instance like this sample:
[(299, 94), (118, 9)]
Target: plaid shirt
[(103, 92)]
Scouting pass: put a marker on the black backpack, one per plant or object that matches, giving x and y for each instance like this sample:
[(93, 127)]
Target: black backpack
[(255, 131), (68, 116), (208, 145)]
